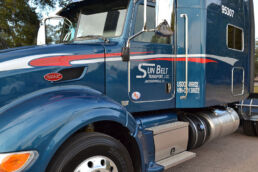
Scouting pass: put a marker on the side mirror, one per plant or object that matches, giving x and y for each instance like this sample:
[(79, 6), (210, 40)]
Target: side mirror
[(126, 49), (54, 27), (126, 54), (164, 17), (164, 29), (54, 30)]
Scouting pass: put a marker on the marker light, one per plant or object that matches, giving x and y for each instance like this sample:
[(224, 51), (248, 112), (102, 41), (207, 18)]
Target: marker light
[(16, 162)]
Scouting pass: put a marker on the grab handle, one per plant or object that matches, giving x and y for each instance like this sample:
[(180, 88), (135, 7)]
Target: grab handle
[(186, 55)]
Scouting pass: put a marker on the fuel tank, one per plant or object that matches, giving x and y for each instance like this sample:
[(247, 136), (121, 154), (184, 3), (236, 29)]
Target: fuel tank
[(208, 125)]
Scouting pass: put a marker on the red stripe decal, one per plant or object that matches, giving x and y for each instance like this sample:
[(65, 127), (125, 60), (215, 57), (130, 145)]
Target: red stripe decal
[(113, 54), (62, 60), (196, 60)]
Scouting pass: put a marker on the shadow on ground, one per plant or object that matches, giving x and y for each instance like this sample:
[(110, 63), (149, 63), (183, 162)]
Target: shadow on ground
[(234, 153)]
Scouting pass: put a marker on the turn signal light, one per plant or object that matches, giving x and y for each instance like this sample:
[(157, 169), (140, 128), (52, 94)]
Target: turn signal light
[(15, 162)]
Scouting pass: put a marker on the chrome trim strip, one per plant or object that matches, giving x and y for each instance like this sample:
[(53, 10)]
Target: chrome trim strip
[(186, 56), (243, 82)]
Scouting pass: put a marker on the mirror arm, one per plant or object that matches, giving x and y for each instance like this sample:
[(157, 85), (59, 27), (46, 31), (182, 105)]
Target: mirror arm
[(132, 37), (137, 34), (126, 49), (145, 16)]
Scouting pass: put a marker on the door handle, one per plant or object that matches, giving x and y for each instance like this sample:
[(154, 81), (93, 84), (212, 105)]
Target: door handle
[(168, 87), (243, 81), (186, 55)]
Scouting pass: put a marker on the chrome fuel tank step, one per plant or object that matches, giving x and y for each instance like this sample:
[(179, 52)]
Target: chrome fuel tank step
[(177, 159), (170, 139)]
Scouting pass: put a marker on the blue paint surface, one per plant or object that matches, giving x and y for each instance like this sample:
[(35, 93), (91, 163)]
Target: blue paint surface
[(40, 115)]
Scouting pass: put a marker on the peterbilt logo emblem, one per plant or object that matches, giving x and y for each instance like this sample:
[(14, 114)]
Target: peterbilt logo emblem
[(53, 77)]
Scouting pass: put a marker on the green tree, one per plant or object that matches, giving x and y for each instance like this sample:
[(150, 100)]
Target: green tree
[(19, 21)]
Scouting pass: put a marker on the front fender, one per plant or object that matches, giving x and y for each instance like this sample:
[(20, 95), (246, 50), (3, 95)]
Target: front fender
[(43, 120)]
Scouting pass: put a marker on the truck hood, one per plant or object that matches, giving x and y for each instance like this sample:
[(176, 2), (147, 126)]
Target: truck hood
[(14, 49), (26, 70), (63, 55)]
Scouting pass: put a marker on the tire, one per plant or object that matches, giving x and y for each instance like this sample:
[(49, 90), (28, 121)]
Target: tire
[(256, 128), (89, 148), (249, 128)]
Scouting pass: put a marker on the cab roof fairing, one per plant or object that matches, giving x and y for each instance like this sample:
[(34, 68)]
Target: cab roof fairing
[(76, 6), (154, 1)]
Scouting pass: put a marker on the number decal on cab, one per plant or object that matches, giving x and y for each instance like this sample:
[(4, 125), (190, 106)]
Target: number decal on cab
[(227, 11)]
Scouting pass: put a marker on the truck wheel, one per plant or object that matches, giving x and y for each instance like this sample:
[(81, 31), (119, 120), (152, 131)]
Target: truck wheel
[(256, 127), (91, 152), (249, 128)]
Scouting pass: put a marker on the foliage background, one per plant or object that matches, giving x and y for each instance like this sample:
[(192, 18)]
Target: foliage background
[(20, 19)]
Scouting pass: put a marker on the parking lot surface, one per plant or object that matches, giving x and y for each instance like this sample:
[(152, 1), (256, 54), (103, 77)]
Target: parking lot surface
[(234, 153)]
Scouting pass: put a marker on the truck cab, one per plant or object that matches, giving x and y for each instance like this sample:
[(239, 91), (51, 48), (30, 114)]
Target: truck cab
[(125, 85), (159, 62)]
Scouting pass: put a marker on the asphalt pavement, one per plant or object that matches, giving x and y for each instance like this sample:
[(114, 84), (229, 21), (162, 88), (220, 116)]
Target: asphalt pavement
[(234, 153)]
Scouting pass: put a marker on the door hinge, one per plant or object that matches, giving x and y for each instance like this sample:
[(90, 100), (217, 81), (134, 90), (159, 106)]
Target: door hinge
[(125, 103)]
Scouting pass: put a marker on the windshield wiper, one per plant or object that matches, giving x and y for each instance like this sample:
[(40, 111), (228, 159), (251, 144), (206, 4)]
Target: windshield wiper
[(94, 37)]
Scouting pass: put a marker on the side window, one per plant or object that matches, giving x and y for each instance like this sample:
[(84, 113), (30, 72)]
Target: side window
[(235, 38), (148, 36)]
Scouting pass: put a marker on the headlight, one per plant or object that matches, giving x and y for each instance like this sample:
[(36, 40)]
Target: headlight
[(16, 162)]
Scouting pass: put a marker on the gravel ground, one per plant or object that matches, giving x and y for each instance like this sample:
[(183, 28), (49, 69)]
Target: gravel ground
[(234, 153)]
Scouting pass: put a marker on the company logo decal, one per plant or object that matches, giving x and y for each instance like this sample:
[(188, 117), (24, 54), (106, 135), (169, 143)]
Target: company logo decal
[(53, 77), (136, 95), (152, 73)]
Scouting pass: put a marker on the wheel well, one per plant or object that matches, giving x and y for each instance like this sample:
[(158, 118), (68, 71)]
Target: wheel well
[(122, 134), (118, 132)]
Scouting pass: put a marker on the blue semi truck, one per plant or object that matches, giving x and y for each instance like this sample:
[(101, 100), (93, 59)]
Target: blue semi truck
[(126, 85)]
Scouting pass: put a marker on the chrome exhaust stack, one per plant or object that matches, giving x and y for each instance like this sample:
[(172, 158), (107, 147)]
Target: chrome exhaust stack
[(209, 125)]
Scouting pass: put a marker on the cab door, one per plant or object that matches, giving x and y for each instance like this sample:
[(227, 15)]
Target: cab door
[(151, 69)]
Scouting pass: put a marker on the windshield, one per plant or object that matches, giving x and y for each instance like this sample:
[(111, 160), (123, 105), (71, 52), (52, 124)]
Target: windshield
[(106, 24), (85, 20)]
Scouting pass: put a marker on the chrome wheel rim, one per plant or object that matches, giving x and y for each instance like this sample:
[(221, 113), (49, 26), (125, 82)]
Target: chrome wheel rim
[(97, 164)]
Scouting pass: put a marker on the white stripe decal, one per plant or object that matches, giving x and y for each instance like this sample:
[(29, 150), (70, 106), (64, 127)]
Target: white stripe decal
[(113, 59), (227, 60), (23, 63), (152, 56), (79, 62)]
